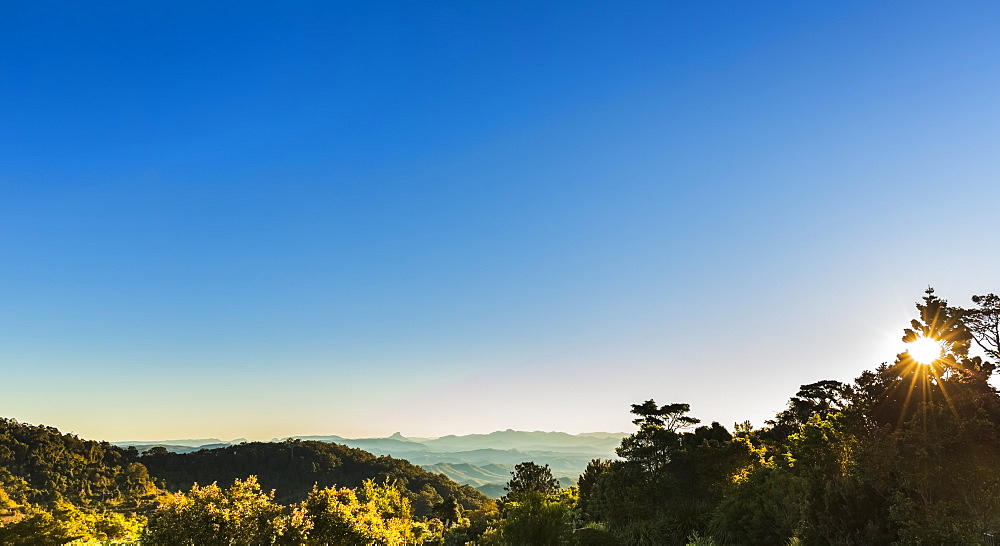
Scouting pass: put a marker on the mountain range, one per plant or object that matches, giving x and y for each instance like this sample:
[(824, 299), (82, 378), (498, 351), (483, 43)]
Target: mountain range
[(483, 461)]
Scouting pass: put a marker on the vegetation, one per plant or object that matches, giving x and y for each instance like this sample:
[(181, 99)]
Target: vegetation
[(905, 454), (293, 467), (56, 488)]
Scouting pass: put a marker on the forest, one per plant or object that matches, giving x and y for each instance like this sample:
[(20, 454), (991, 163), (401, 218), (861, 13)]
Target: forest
[(904, 454)]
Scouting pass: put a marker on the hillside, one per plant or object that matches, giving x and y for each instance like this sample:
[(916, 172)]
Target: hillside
[(40, 465), (488, 480), (56, 488), (293, 467)]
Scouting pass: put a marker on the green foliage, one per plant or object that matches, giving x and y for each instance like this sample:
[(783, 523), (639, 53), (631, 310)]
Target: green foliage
[(339, 517), (41, 466), (595, 534), (471, 527), (587, 483), (293, 467), (55, 488), (658, 435), (529, 478), (821, 398), (38, 527), (697, 540), (448, 511), (242, 514), (66, 523), (6, 502), (669, 481), (245, 515), (764, 508), (538, 518)]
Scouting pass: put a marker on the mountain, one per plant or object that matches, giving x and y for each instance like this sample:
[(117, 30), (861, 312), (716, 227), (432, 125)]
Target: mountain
[(471, 474), (196, 442), (383, 446), (463, 458), (489, 479), (527, 441)]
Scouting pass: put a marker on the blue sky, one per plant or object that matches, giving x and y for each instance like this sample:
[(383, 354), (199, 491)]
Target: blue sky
[(256, 220)]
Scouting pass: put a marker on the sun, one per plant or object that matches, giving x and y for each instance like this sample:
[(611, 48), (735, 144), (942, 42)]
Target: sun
[(924, 350)]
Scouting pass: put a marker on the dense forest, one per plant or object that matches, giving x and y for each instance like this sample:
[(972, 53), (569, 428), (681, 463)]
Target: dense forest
[(905, 454)]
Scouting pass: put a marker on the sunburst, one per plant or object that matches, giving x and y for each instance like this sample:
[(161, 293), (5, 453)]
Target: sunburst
[(924, 350)]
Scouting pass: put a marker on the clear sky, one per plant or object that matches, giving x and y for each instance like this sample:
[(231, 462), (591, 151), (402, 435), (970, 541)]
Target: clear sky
[(262, 219)]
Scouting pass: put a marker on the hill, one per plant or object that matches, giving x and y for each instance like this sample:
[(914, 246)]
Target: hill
[(488, 480), (40, 465), (293, 467), (462, 458)]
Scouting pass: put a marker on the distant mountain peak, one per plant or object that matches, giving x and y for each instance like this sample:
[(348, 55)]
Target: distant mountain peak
[(397, 436)]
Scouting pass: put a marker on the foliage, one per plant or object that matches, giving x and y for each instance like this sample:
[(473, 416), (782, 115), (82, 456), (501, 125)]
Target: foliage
[(245, 515), (242, 514), (538, 518), (651, 446), (293, 467), (983, 322), (821, 398), (587, 483), (64, 523), (42, 465), (55, 488), (529, 478), (905, 454), (339, 517)]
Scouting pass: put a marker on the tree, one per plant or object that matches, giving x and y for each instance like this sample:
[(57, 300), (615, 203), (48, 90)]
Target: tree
[(242, 514), (945, 325), (339, 517), (448, 511), (538, 518), (528, 477), (650, 447), (821, 398), (588, 482), (983, 323)]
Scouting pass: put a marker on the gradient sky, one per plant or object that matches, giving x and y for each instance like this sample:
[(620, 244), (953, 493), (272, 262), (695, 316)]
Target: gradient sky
[(262, 219)]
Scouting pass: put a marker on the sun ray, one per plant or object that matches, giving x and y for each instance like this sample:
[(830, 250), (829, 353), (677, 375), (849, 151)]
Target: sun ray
[(906, 401)]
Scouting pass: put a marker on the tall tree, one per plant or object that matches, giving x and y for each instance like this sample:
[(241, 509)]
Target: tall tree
[(528, 478), (983, 322), (650, 447)]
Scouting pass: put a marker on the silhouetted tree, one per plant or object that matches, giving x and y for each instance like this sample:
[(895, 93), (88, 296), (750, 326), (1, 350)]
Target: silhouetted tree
[(983, 322)]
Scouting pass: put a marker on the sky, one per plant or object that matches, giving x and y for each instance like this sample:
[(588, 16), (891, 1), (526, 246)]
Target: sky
[(264, 219)]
